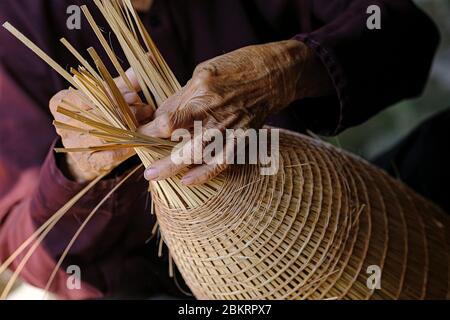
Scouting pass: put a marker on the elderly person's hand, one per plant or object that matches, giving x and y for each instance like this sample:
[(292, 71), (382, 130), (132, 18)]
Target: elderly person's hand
[(85, 166), (238, 90)]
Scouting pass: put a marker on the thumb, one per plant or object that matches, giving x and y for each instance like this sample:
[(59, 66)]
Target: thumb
[(165, 124), (161, 127), (143, 112)]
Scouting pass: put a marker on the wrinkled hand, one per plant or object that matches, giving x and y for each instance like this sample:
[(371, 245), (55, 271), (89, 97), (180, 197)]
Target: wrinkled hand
[(85, 166), (237, 90)]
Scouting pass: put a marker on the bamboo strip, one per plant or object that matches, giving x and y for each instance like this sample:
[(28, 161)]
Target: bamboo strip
[(309, 231)]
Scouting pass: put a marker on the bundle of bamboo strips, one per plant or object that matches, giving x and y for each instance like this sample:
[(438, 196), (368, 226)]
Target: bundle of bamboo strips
[(310, 231), (316, 230)]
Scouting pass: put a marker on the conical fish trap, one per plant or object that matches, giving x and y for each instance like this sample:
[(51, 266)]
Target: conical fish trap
[(316, 230), (327, 225)]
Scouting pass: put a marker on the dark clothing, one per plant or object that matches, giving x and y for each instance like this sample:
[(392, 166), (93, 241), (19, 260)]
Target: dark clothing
[(422, 159), (370, 70)]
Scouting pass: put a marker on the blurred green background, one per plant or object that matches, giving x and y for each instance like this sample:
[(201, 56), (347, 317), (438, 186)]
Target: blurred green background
[(391, 125)]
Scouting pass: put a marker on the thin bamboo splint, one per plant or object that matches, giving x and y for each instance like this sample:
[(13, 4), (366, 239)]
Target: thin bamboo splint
[(312, 231)]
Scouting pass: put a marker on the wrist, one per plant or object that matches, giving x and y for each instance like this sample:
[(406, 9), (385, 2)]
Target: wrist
[(287, 60)]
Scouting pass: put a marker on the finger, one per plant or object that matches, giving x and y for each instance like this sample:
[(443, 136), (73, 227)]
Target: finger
[(79, 98), (191, 152), (131, 75), (203, 174), (130, 94), (160, 127), (165, 124), (56, 100), (74, 97), (163, 169), (122, 84), (219, 163), (100, 161), (131, 97), (69, 99), (142, 112)]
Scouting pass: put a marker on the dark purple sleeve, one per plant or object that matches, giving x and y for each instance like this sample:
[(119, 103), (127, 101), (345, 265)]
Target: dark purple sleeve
[(370, 69), (32, 187), (31, 191)]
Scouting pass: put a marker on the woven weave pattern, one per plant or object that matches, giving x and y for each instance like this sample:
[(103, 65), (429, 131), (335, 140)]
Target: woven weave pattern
[(310, 232)]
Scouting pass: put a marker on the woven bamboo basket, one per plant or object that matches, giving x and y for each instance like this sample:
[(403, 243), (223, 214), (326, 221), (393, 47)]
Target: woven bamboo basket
[(310, 232)]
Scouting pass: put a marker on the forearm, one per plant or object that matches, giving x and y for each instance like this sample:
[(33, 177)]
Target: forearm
[(371, 69)]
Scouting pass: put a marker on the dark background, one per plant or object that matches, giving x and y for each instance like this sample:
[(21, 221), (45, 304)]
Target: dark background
[(388, 127)]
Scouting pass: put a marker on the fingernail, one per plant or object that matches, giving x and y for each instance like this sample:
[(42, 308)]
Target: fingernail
[(151, 174)]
